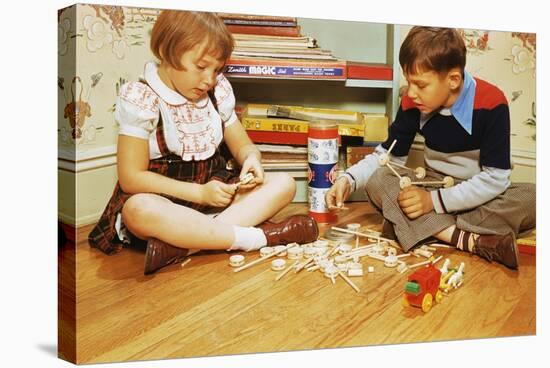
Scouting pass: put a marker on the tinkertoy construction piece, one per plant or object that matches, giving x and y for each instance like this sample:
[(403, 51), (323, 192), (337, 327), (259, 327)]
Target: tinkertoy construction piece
[(391, 258), (447, 182), (420, 172), (281, 250), (236, 260), (265, 251), (295, 253), (247, 178), (278, 264)]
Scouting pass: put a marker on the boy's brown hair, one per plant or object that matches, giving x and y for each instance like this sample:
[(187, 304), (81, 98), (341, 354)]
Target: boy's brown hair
[(432, 49), (176, 32)]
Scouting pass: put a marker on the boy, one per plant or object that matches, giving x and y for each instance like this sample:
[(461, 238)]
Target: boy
[(466, 126)]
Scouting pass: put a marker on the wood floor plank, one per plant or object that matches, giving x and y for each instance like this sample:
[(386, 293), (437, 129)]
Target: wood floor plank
[(206, 309)]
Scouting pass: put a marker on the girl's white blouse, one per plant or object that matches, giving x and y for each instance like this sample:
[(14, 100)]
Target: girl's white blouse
[(192, 130)]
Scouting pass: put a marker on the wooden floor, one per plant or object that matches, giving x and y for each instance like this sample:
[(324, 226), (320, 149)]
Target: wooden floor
[(206, 309)]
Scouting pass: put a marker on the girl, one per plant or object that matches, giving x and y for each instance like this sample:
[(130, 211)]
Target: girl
[(171, 173)]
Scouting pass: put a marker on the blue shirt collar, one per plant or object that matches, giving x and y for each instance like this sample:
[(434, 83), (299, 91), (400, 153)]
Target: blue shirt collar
[(463, 108)]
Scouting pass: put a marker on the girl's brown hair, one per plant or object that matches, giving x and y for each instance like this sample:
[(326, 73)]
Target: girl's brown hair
[(432, 49), (176, 32)]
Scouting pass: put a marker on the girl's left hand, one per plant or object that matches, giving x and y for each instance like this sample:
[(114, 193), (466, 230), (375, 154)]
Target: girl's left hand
[(252, 164)]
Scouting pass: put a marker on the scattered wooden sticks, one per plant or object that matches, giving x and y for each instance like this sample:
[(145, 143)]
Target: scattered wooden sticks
[(434, 261), (264, 258)]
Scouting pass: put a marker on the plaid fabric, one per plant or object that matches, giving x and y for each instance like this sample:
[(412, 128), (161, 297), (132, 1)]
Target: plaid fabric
[(104, 236), (511, 211)]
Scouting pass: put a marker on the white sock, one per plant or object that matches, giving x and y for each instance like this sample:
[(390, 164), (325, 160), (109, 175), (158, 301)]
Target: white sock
[(248, 238)]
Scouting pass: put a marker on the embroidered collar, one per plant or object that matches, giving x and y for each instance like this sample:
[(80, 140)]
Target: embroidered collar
[(463, 108), (169, 96)]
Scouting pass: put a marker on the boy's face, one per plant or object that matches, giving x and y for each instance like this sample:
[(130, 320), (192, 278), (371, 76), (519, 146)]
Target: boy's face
[(198, 76), (430, 90)]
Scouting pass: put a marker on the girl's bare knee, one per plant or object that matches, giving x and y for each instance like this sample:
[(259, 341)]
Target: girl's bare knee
[(138, 211), (285, 184)]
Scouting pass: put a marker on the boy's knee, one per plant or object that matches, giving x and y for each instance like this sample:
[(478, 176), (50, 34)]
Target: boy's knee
[(378, 179)]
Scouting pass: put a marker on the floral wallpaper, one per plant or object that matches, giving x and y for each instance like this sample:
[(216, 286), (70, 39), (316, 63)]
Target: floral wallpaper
[(109, 39)]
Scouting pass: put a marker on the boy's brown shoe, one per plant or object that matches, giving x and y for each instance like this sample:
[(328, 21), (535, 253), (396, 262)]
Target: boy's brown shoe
[(499, 248), (295, 229), (160, 254)]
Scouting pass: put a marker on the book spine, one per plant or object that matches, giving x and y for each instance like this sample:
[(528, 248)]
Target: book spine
[(297, 139), (274, 125), (285, 69), (266, 30), (254, 123), (376, 72), (255, 17), (260, 22)]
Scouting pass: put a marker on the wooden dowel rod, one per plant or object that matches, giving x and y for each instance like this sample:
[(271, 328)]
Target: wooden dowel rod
[(185, 262), (350, 283), (428, 182), (391, 147), (285, 271), (392, 169), (401, 166), (360, 234)]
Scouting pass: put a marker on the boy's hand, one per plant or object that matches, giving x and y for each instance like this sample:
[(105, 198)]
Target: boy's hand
[(415, 201), (252, 164), (338, 193), (217, 194)]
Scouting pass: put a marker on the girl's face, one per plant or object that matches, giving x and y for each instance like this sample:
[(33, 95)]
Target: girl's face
[(197, 77), (430, 90)]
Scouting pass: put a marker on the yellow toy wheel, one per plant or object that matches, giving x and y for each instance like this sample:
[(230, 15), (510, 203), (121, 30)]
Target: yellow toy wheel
[(405, 301), (427, 302), (438, 296)]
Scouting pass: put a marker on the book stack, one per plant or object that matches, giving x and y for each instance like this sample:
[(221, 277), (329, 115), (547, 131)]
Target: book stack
[(273, 47)]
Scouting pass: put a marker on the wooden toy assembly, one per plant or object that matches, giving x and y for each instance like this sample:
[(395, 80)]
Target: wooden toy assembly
[(420, 172)]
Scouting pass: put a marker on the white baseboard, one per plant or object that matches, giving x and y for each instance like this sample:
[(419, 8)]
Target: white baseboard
[(93, 159), (69, 219)]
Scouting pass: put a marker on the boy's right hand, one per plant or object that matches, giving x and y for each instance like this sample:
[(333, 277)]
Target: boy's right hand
[(217, 194), (338, 193)]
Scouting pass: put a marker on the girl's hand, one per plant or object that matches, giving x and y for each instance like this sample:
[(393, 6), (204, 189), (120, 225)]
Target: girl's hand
[(217, 194), (338, 193), (252, 164), (415, 201)]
